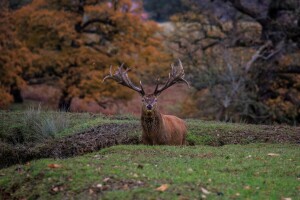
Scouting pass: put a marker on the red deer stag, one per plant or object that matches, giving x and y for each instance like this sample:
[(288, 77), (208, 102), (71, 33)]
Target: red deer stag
[(158, 129)]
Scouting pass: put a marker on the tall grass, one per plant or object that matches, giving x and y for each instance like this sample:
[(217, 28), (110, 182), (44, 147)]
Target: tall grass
[(42, 125), (32, 125)]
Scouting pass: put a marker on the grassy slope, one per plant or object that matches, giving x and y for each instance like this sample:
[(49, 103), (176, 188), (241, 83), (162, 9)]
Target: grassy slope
[(133, 172)]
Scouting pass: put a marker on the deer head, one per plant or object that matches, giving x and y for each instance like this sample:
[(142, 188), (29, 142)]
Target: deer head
[(149, 100)]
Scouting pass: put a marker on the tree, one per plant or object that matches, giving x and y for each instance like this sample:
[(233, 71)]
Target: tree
[(75, 42), (14, 58), (263, 87)]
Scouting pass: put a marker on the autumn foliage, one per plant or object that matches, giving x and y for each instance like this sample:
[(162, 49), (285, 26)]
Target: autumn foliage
[(71, 44)]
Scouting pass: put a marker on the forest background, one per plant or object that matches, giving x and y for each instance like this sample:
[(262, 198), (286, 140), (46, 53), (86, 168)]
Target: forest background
[(241, 58)]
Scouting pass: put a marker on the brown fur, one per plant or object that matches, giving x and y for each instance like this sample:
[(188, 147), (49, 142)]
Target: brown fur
[(159, 129)]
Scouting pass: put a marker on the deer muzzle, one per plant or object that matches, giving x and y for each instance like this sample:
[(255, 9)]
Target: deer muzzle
[(149, 107)]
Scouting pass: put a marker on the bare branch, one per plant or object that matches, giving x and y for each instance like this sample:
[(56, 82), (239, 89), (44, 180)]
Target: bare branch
[(257, 55)]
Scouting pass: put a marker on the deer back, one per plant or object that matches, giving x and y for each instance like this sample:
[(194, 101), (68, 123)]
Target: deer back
[(175, 129)]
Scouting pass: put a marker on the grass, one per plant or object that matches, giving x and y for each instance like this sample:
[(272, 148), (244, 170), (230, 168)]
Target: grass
[(227, 161), (35, 125), (134, 172)]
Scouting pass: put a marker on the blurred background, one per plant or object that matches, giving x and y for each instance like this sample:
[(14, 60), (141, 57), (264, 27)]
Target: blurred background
[(242, 58)]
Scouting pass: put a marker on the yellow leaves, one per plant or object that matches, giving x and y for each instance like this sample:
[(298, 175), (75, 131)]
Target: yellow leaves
[(162, 188)]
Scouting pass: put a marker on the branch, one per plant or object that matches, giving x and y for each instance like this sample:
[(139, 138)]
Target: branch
[(80, 27), (257, 55)]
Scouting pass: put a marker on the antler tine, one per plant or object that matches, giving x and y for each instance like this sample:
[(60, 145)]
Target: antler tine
[(175, 76), (109, 75), (142, 88), (157, 84), (122, 78)]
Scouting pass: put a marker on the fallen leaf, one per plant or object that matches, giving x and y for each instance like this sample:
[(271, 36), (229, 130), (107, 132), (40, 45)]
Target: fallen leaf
[(106, 179), (162, 188), (237, 194), (203, 196), (286, 198), (53, 166), (205, 191), (273, 154), (57, 188), (247, 187)]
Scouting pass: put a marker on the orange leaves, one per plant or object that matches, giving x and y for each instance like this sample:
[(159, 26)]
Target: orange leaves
[(5, 97), (162, 188), (72, 50)]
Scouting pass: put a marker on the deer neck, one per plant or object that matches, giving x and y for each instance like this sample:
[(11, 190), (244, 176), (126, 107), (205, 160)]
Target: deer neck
[(151, 120)]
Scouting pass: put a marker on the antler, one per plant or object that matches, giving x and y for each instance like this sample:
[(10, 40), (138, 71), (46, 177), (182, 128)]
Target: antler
[(122, 78), (175, 76)]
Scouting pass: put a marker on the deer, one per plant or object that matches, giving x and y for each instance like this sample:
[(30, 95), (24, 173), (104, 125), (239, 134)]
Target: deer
[(158, 128)]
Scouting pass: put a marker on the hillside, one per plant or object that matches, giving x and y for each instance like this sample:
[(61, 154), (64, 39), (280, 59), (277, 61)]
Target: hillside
[(81, 160)]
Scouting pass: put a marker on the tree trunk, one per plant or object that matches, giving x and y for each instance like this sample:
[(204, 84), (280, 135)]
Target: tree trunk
[(16, 93), (64, 103)]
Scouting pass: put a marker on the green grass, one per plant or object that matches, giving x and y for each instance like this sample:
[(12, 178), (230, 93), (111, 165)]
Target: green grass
[(134, 172), (12, 125), (225, 171), (16, 124)]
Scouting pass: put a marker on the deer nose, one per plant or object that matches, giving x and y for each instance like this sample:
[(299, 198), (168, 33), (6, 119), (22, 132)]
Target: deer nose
[(149, 107)]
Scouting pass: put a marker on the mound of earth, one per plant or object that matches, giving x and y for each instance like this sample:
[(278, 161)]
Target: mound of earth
[(93, 139), (110, 134)]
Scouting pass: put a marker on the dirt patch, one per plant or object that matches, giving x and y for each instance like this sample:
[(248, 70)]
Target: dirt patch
[(93, 139), (265, 134), (110, 134)]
